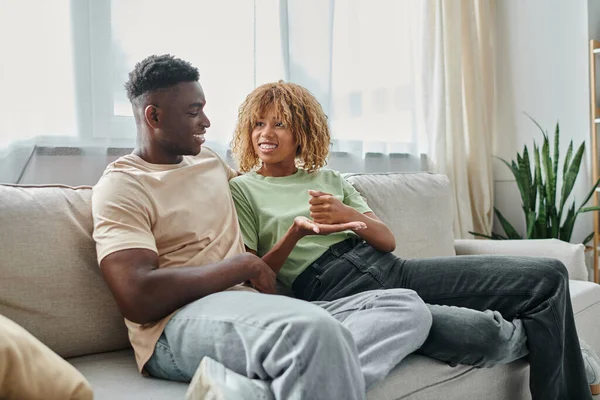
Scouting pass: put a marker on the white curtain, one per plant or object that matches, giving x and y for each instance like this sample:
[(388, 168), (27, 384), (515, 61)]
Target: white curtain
[(357, 57), (38, 97), (456, 103), (407, 84), (234, 51)]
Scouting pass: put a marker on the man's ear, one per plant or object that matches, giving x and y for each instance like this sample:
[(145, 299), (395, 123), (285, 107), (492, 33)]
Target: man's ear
[(151, 115)]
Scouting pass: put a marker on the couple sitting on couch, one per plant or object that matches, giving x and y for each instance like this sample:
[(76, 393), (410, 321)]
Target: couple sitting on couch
[(195, 280)]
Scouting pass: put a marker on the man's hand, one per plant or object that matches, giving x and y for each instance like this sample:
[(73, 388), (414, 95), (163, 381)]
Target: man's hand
[(264, 277), (304, 227), (326, 209)]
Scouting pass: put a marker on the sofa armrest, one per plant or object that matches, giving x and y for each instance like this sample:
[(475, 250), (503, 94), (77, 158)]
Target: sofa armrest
[(572, 255)]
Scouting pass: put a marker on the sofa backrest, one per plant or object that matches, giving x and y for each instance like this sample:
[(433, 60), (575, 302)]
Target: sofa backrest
[(51, 285), (50, 282), (417, 207)]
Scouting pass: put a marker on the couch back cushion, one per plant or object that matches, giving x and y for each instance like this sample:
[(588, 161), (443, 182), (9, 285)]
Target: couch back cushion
[(416, 206), (50, 282)]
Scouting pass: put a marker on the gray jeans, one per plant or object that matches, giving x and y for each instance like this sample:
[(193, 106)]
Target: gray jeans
[(326, 350), (530, 294)]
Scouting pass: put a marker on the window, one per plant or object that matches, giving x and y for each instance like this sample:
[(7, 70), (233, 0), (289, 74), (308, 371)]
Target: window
[(372, 86), (36, 73)]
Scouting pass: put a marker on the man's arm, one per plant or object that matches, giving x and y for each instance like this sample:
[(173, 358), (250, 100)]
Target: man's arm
[(146, 293)]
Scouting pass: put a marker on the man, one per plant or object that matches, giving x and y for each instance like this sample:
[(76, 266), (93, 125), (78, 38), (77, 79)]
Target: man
[(170, 249)]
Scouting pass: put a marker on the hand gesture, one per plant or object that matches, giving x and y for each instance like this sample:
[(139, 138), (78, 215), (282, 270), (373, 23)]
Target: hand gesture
[(327, 209), (305, 227), (264, 277)]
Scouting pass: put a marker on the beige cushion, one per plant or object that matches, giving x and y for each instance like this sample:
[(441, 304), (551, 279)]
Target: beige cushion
[(416, 206), (30, 370), (572, 255), (51, 284)]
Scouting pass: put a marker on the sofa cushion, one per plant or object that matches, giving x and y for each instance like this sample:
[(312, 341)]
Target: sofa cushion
[(571, 255), (30, 370), (416, 206), (585, 297), (114, 376), (422, 378), (51, 284)]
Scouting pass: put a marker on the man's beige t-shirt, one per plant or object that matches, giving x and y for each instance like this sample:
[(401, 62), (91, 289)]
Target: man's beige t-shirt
[(184, 212)]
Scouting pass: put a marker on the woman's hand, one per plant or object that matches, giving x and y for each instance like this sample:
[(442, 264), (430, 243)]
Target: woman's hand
[(325, 208), (303, 227)]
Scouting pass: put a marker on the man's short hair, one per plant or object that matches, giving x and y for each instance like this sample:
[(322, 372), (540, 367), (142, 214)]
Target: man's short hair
[(159, 72)]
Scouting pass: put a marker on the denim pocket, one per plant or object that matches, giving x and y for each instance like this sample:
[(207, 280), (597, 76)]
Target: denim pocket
[(162, 363)]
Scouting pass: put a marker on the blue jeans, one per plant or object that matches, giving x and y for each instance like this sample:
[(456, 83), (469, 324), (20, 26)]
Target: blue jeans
[(532, 293), (326, 350)]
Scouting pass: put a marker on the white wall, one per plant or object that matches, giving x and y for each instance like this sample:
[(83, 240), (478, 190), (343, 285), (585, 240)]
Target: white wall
[(542, 66)]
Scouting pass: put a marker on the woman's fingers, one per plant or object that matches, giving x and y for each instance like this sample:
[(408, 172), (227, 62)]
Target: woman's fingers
[(331, 228), (307, 224)]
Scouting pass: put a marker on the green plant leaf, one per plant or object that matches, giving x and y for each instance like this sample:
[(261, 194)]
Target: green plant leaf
[(556, 150), (511, 167), (493, 236), (510, 231), (588, 238), (537, 174), (567, 228), (535, 122), (588, 209), (554, 224), (541, 223), (480, 235), (547, 169), (530, 221), (568, 158), (588, 197), (526, 181), (571, 176)]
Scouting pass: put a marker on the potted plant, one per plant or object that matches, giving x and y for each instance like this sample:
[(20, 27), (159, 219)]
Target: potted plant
[(543, 201)]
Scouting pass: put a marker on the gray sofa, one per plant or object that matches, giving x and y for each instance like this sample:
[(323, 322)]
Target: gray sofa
[(51, 285)]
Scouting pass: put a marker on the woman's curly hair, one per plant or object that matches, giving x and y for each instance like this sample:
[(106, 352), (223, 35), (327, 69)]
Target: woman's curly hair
[(299, 111)]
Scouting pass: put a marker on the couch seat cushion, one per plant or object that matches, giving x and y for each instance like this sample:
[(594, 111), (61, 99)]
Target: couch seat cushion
[(114, 376), (586, 306), (422, 378)]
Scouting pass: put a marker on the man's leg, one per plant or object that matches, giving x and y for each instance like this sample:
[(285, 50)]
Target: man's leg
[(301, 350), (387, 325)]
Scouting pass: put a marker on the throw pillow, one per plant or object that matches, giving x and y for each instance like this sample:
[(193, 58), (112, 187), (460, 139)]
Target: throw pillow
[(30, 370)]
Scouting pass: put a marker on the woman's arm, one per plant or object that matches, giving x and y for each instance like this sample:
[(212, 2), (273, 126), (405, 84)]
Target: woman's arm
[(377, 233), (326, 209), (301, 227)]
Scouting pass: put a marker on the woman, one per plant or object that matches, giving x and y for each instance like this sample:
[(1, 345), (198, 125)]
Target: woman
[(292, 213)]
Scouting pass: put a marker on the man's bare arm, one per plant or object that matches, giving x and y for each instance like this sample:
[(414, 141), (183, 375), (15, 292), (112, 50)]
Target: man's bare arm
[(146, 293)]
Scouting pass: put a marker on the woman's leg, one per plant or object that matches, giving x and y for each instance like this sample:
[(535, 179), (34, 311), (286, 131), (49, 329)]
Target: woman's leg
[(532, 290)]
